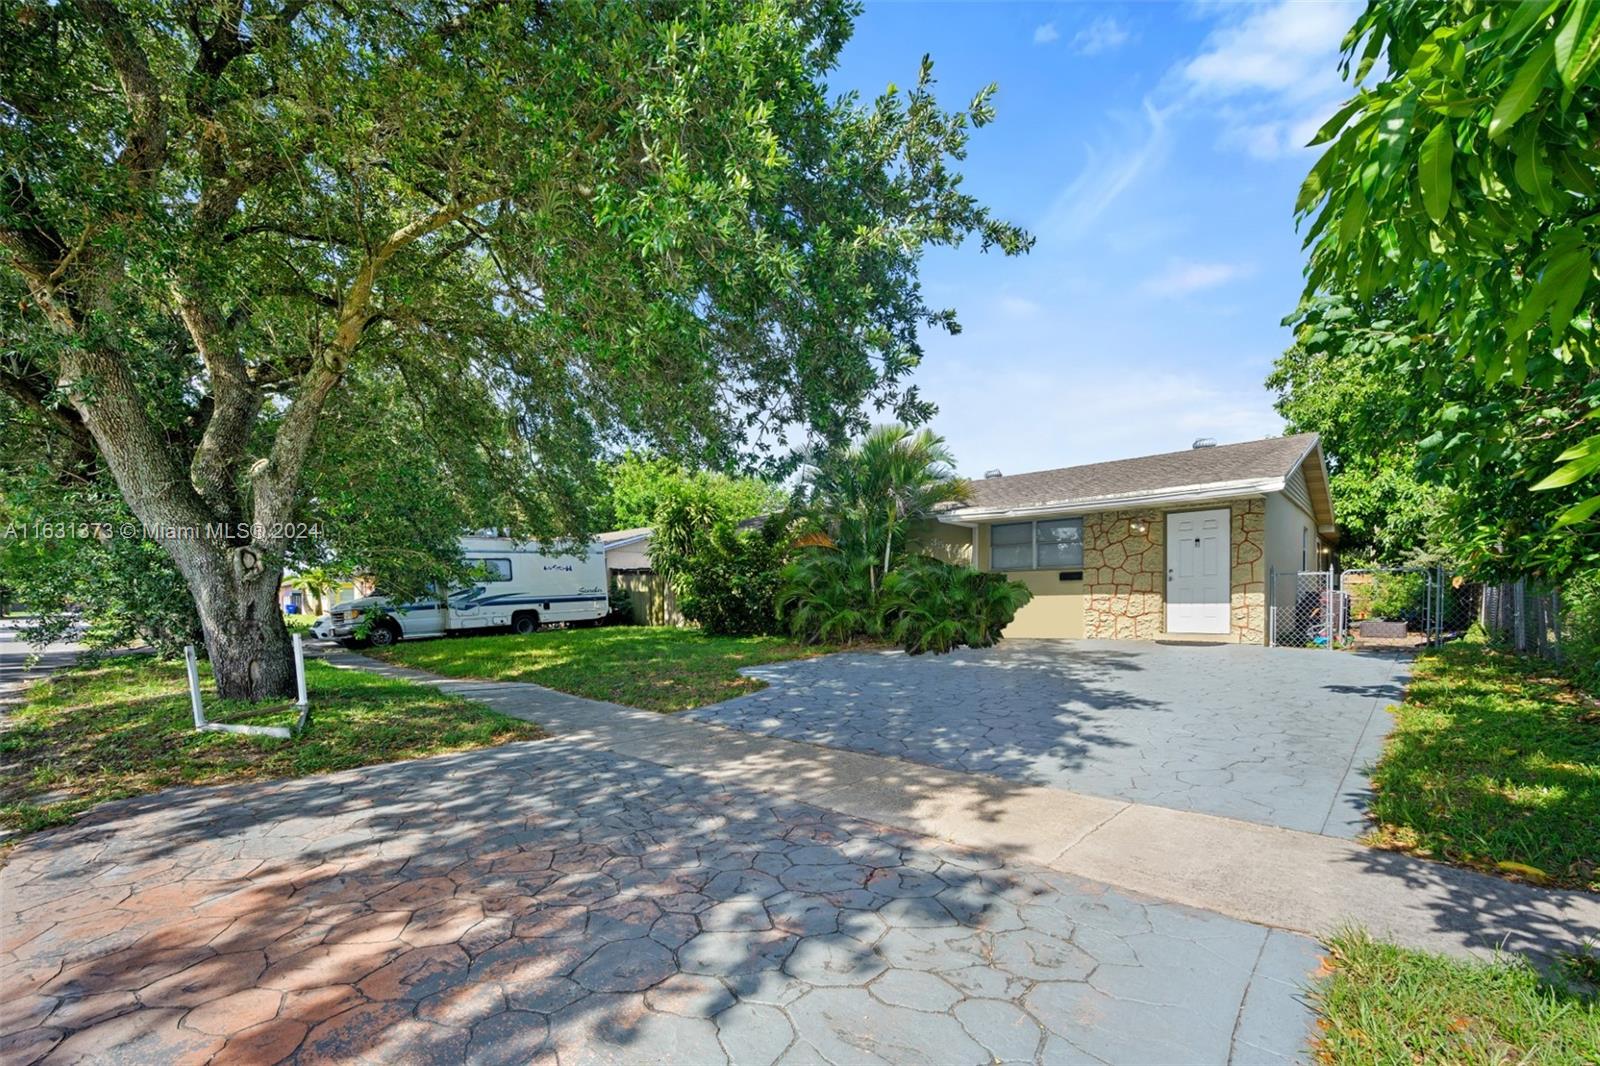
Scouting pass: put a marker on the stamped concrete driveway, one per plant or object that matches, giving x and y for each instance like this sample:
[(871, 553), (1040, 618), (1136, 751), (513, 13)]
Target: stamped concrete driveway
[(549, 903), (1278, 736)]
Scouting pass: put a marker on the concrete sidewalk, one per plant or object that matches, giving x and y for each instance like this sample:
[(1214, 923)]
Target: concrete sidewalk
[(1282, 879)]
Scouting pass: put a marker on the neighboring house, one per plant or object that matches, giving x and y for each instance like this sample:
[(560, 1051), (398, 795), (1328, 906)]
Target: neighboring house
[(332, 596), (1180, 544), (628, 567)]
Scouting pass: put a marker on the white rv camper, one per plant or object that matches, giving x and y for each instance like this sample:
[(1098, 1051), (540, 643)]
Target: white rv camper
[(517, 588)]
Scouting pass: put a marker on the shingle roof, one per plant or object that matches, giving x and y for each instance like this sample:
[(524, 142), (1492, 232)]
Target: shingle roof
[(1271, 458), (617, 535)]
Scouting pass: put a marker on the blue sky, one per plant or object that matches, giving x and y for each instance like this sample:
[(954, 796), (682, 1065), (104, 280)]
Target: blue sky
[(1155, 150)]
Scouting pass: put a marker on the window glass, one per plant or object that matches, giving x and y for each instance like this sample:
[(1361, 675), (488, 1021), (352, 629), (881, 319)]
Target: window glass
[(1060, 543), (1011, 546), (494, 569)]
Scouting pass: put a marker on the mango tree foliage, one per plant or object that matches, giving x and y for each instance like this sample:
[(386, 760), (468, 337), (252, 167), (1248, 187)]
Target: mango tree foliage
[(611, 221), (1394, 403), (1335, 381), (1466, 174)]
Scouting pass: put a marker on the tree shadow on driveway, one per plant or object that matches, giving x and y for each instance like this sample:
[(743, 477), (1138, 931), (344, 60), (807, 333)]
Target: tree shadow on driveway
[(1260, 734), (544, 898)]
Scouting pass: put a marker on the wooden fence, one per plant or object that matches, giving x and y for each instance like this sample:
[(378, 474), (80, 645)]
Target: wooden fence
[(654, 602)]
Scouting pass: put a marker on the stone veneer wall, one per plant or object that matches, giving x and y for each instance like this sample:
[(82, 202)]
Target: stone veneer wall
[(1125, 573)]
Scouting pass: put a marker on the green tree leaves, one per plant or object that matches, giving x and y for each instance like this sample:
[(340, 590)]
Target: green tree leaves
[(1433, 170), (595, 224), (1524, 89), (1577, 43), (1466, 179)]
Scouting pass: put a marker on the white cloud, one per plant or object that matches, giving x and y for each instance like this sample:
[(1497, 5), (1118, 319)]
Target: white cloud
[(1106, 175), (1101, 35), (1272, 76), (1288, 48), (1046, 33), (1183, 277)]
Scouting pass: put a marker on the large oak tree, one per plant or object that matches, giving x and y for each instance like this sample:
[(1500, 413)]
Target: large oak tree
[(620, 222)]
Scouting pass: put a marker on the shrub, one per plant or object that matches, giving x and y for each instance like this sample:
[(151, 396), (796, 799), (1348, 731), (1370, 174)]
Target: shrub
[(619, 606), (930, 605), (1580, 629), (826, 599), (924, 605), (726, 578), (1399, 597)]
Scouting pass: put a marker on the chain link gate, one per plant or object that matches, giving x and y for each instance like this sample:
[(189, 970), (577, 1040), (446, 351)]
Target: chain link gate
[(1396, 606), (1370, 606), (1305, 609)]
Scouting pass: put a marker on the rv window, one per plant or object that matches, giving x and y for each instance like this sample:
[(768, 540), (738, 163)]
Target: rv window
[(495, 569)]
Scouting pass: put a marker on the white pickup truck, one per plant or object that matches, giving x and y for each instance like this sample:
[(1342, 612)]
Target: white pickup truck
[(517, 588)]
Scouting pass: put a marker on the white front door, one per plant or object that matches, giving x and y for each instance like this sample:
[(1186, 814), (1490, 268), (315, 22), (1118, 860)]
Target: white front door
[(1198, 572)]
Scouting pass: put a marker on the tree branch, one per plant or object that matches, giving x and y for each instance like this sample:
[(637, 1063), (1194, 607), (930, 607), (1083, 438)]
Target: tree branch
[(275, 480), (146, 148)]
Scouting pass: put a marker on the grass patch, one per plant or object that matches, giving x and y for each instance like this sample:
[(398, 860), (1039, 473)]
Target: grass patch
[(1494, 763), (1386, 1004), (656, 668), (123, 728)]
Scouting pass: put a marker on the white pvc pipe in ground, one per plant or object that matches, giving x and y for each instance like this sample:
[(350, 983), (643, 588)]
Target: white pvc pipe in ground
[(194, 686), (299, 671), (252, 730), (300, 684)]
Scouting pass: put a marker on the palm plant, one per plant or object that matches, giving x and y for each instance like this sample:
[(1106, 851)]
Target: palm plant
[(866, 496), (312, 582), (930, 605)]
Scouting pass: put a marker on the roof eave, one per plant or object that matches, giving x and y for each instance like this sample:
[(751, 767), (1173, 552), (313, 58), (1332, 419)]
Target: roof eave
[(1215, 490)]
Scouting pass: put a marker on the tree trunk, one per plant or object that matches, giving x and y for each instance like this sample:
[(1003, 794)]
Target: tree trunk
[(252, 660), (236, 594)]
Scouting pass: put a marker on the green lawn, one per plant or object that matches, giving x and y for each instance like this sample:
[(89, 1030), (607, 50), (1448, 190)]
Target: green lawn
[(1494, 763), (124, 728), (1383, 1004), (657, 668)]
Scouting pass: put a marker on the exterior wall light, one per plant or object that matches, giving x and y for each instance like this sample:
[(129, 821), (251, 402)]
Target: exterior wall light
[(1139, 526)]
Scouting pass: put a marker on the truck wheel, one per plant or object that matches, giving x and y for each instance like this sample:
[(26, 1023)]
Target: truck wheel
[(524, 623), (384, 635)]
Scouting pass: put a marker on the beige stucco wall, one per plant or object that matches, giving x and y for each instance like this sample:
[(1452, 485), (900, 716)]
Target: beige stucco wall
[(1056, 609), (635, 556), (1123, 591), (941, 540), (1286, 521)]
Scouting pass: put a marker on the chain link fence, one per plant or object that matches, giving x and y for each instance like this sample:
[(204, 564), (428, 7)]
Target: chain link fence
[(1306, 610), (1390, 606), (1409, 607)]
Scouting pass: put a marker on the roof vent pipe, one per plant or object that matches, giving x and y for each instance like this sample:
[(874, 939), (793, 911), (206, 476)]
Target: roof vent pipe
[(1204, 442), (987, 474)]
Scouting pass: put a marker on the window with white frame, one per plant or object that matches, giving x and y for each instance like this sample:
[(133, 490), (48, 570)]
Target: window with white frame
[(1055, 543)]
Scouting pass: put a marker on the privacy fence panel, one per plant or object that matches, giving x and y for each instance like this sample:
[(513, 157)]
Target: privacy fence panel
[(1523, 616)]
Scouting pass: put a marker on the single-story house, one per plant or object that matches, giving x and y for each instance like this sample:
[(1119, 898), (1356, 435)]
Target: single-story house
[(1173, 545)]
